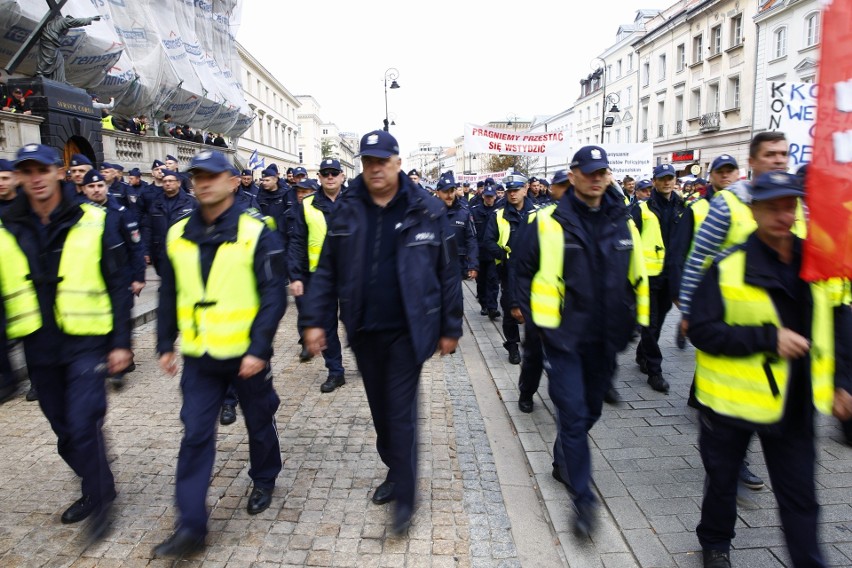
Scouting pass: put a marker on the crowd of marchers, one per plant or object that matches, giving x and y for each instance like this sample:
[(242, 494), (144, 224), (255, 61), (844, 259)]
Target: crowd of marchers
[(574, 268)]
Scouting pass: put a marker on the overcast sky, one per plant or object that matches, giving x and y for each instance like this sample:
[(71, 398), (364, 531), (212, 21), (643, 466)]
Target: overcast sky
[(459, 61)]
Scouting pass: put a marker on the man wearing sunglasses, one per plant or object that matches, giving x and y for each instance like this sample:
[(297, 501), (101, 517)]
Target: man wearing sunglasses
[(309, 227)]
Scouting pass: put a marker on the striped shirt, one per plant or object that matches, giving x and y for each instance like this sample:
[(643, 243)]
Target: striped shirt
[(708, 242)]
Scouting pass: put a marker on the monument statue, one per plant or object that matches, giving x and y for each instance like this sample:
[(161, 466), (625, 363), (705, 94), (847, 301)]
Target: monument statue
[(51, 62)]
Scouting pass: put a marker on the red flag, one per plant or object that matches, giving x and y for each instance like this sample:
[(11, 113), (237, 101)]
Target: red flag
[(828, 249)]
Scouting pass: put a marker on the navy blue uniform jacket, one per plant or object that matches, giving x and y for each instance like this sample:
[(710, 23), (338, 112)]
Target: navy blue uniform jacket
[(792, 300), (428, 270), (42, 246), (269, 272), (578, 313)]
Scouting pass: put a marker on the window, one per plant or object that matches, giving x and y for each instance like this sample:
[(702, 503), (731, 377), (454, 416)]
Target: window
[(716, 40), (779, 43), (679, 114), (618, 68), (812, 29), (597, 109), (608, 73), (662, 64), (736, 30), (630, 62), (734, 92), (646, 73), (661, 119), (681, 57), (608, 138), (713, 98), (698, 49), (695, 103), (617, 136), (627, 134)]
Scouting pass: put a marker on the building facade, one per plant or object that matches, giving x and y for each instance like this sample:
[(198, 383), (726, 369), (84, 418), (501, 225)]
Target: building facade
[(695, 63), (274, 134)]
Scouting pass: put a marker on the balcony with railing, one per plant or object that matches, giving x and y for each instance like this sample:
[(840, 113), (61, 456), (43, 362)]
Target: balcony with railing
[(644, 135), (660, 131), (710, 122)]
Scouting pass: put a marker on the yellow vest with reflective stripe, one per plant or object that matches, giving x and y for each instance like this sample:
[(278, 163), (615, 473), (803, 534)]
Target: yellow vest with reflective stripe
[(700, 209), (83, 305), (216, 318), (23, 315), (107, 124), (317, 227), (742, 222), (547, 292), (504, 230), (653, 247), (754, 387)]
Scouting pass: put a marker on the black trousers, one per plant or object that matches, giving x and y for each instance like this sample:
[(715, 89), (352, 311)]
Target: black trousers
[(532, 364), (391, 376), (649, 346), (790, 459), (511, 330), (487, 283)]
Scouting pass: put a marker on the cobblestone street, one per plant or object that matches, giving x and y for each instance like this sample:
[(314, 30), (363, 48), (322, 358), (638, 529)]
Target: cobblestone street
[(486, 497)]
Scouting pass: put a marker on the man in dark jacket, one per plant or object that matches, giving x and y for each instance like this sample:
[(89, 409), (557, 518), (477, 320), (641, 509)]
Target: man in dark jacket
[(658, 221), (772, 349), (389, 259), (461, 223), (577, 280), (65, 289), (487, 281), (169, 207), (310, 221), (501, 236)]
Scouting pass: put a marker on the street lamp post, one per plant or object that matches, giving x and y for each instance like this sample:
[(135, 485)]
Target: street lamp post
[(511, 119), (393, 75)]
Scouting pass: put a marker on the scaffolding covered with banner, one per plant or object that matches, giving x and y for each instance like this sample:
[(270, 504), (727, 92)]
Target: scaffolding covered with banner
[(155, 57)]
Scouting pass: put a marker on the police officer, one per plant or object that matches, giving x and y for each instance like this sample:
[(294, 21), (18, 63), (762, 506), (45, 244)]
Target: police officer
[(168, 207), (532, 365), (767, 343), (8, 192), (78, 165), (172, 165), (65, 289), (580, 278), (389, 259), (247, 182), (728, 222), (310, 227), (501, 236), (487, 281), (657, 220), (461, 223), (226, 304)]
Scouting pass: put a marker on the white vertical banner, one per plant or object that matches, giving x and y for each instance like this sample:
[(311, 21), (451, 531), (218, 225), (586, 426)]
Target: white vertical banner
[(793, 110)]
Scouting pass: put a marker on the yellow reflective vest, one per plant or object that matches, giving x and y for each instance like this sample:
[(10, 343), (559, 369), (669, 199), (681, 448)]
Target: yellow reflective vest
[(754, 387), (82, 305), (504, 231), (700, 209), (547, 291), (653, 247), (317, 228), (23, 315), (216, 318)]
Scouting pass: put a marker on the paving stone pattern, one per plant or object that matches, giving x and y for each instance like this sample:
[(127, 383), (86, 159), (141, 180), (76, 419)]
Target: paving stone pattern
[(648, 471), (321, 513)]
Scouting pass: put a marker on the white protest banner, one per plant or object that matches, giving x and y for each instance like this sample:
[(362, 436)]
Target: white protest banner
[(635, 160), (793, 110), (496, 176), (485, 140)]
